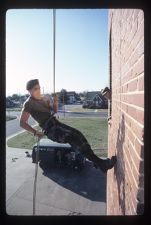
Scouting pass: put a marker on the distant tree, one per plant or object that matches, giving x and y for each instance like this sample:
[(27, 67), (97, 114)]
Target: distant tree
[(9, 97), (85, 93), (15, 97), (77, 96), (81, 94), (63, 96)]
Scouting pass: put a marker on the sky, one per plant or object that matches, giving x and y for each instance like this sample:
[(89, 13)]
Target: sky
[(81, 49)]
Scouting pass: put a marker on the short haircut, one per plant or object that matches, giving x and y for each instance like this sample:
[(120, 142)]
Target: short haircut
[(31, 83)]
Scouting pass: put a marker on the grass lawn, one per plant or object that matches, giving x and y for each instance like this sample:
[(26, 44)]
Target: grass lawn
[(79, 108), (94, 129)]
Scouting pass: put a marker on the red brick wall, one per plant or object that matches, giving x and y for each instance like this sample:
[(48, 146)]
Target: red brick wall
[(125, 183)]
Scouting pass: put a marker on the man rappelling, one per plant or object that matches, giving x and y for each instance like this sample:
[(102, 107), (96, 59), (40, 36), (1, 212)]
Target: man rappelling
[(42, 109)]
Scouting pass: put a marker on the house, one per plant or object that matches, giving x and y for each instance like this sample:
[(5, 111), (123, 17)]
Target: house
[(72, 97), (16, 100), (10, 103), (94, 99)]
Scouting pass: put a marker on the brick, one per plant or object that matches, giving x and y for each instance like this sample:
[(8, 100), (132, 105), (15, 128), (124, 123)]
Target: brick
[(140, 116), (132, 86), (130, 132), (132, 173), (137, 129), (123, 98), (128, 51), (127, 178), (132, 111), (124, 107), (137, 53), (131, 186), (137, 114), (139, 147), (136, 99), (138, 36), (126, 77), (139, 164), (141, 83), (138, 68)]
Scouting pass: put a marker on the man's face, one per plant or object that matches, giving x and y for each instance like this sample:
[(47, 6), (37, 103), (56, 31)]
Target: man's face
[(35, 91)]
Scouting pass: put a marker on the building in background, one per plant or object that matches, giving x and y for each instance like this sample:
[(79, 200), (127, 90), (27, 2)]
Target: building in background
[(95, 100), (72, 97)]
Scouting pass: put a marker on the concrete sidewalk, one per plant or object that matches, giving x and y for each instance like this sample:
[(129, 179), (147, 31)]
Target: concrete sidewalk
[(59, 191)]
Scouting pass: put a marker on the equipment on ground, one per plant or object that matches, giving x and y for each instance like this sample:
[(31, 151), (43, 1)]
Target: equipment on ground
[(53, 154)]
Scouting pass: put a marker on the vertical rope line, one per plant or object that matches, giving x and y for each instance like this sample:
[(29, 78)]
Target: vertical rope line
[(110, 72), (120, 56), (37, 152), (35, 180), (110, 66), (54, 47)]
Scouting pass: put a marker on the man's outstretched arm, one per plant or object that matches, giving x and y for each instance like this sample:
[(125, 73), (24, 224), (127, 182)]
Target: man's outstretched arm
[(24, 124)]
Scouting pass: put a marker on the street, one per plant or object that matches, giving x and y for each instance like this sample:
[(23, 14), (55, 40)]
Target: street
[(13, 126)]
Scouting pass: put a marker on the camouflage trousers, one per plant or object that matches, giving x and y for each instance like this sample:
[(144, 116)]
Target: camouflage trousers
[(62, 133)]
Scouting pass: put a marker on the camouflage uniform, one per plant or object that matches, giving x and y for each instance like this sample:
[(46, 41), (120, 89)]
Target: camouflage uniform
[(62, 133)]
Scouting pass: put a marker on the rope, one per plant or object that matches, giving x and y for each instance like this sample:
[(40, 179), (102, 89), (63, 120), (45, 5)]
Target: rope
[(35, 179), (54, 48), (54, 53), (37, 152)]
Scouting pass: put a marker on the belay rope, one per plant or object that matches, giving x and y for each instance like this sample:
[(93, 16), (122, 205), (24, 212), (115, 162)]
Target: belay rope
[(38, 141), (35, 179)]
